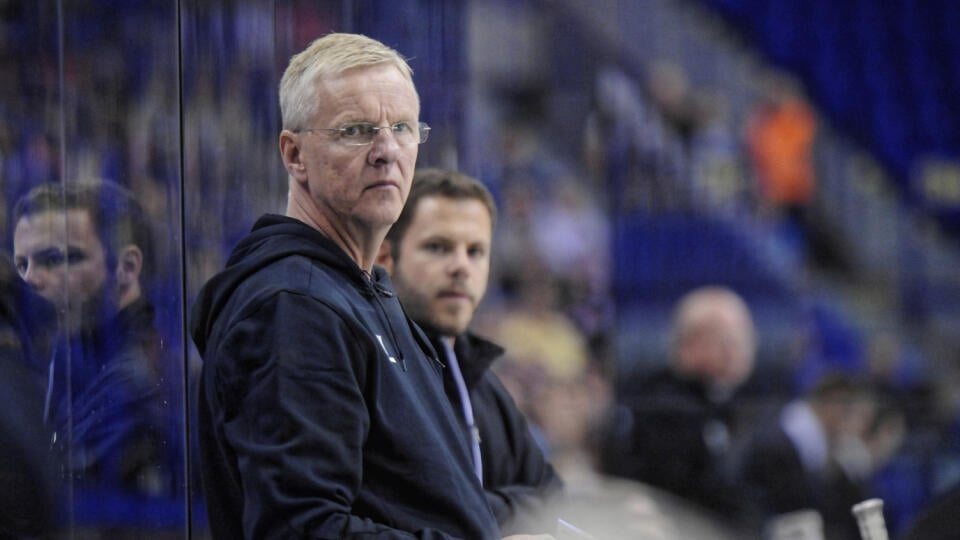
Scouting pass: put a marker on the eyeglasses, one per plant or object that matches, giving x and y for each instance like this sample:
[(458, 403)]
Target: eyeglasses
[(363, 133)]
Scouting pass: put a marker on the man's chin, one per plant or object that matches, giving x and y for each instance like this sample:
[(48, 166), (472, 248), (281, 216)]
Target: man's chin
[(74, 324), (446, 328)]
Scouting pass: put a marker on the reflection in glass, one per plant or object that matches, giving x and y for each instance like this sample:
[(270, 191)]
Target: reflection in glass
[(87, 248), (98, 91), (232, 169), (90, 144), (27, 493)]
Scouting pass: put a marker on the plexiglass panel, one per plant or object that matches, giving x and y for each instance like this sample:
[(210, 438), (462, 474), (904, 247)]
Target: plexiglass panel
[(233, 56), (92, 189), (142, 138), (139, 142)]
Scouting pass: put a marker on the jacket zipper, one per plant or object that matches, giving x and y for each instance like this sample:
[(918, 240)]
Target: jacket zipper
[(379, 291)]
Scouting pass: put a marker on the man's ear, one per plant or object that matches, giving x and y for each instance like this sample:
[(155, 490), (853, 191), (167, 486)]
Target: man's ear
[(292, 157), (129, 265), (385, 256)]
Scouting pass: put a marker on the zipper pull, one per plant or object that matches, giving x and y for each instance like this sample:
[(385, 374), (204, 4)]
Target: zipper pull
[(378, 288)]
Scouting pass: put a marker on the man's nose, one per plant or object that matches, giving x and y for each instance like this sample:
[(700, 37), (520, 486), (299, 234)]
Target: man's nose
[(459, 262), (384, 149)]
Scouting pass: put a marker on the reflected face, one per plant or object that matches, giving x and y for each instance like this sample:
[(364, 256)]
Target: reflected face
[(357, 189), (59, 254), (443, 262)]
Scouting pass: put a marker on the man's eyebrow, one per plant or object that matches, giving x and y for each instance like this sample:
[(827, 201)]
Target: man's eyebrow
[(48, 251), (438, 237), (57, 255)]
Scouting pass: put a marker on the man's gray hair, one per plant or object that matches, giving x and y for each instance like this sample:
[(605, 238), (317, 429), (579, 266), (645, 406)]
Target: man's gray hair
[(330, 54)]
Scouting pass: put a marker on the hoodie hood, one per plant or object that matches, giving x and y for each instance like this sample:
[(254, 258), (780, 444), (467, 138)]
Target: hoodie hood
[(273, 237)]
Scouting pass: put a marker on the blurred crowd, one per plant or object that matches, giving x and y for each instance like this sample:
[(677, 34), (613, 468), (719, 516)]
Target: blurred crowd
[(743, 443)]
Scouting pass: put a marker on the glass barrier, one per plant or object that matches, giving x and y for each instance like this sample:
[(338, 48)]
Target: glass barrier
[(139, 143), (93, 206)]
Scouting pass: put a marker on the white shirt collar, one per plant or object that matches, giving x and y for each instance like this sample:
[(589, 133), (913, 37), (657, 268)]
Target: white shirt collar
[(804, 429)]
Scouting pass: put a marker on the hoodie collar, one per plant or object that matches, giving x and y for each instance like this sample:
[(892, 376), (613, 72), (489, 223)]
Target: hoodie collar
[(474, 354), (272, 238)]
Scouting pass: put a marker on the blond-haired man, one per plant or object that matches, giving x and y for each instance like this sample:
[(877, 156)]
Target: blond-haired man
[(322, 412)]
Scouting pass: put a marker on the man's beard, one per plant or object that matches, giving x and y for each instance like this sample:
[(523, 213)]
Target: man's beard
[(94, 312), (420, 308)]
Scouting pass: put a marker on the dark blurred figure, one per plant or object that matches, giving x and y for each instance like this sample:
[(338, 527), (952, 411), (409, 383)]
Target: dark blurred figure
[(86, 247), (940, 520), (27, 475), (669, 90), (812, 455), (675, 428)]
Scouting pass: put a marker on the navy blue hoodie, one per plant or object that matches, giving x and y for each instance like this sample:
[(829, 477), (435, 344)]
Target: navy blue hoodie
[(321, 407)]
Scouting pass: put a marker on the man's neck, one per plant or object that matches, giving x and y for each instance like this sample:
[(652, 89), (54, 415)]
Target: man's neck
[(128, 295), (361, 246)]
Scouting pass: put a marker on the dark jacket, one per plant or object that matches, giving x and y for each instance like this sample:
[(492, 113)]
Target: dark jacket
[(773, 479), (772, 475), (668, 433), (113, 410), (520, 483), (938, 520), (321, 409), (27, 480)]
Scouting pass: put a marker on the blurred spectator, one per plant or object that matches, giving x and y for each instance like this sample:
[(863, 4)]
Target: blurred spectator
[(556, 234), (780, 136), (516, 246), (669, 90), (675, 428), (27, 475), (537, 334), (87, 248), (547, 358), (924, 471), (812, 455), (566, 395), (644, 165), (571, 235), (552, 216)]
